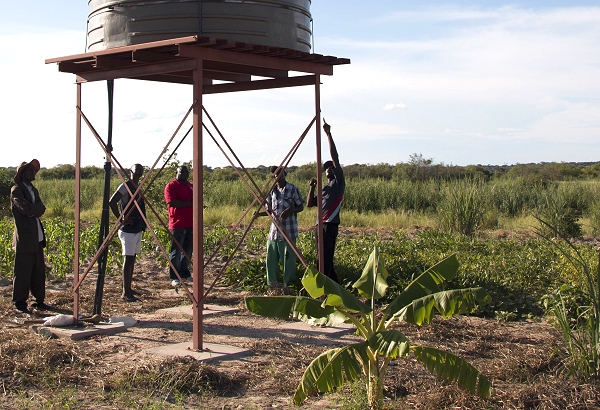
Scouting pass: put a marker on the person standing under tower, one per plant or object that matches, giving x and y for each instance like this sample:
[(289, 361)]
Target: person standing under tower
[(29, 240), (332, 196), (283, 202), (179, 196), (132, 225)]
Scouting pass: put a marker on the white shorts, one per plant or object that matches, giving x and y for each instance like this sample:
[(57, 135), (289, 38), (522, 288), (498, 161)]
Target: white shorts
[(131, 242)]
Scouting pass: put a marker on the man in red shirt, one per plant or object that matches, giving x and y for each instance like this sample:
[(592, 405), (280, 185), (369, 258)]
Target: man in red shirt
[(180, 201)]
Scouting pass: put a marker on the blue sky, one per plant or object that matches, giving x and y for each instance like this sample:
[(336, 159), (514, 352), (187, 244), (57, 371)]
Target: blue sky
[(461, 82)]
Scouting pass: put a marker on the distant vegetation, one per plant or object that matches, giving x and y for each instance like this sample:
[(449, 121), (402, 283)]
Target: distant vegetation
[(417, 168), (417, 192)]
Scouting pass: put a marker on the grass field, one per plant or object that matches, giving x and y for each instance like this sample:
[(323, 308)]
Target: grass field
[(489, 225)]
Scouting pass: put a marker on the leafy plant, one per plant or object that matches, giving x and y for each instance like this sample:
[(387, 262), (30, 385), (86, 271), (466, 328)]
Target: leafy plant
[(581, 334), (382, 343)]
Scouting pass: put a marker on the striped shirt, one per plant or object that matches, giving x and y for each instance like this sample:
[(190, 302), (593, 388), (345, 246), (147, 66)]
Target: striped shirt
[(279, 200)]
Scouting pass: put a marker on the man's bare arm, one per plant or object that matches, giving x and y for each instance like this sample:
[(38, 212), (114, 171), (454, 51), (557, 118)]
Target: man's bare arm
[(311, 200), (332, 148)]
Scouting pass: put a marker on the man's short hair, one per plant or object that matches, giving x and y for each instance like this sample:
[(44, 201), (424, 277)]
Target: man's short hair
[(327, 164), (137, 169), (273, 169)]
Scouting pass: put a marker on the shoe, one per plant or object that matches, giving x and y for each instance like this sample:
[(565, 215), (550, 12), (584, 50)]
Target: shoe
[(288, 292), (22, 309), (175, 283), (129, 299), (41, 306), (189, 279), (135, 293)]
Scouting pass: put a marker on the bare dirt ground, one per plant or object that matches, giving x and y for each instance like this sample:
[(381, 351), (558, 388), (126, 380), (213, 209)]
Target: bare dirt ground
[(115, 371)]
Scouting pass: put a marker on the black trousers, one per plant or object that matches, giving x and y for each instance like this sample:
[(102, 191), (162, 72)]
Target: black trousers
[(330, 233), (29, 275)]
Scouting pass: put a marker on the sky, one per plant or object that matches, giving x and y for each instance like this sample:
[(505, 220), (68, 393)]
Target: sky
[(459, 82)]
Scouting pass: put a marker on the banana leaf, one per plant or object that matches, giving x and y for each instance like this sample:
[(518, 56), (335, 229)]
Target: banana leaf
[(425, 284), (317, 285), (373, 269), (334, 319), (453, 369), (448, 303), (282, 306), (328, 371), (390, 344)]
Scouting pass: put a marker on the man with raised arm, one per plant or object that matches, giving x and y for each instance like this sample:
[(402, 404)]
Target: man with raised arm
[(332, 196)]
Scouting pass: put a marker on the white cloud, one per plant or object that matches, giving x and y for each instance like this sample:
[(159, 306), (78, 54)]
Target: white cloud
[(399, 106), (136, 116), (519, 55)]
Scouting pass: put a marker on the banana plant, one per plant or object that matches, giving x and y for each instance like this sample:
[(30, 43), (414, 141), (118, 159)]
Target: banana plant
[(331, 304)]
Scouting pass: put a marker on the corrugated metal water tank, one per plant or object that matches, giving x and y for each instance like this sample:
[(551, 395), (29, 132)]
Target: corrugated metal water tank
[(278, 23)]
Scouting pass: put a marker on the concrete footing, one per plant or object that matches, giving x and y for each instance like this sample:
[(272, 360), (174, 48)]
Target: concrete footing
[(186, 312), (78, 333), (210, 351)]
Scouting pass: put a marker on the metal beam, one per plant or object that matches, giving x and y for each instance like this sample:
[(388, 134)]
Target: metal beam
[(198, 200), (139, 71), (244, 69), (226, 56), (260, 84)]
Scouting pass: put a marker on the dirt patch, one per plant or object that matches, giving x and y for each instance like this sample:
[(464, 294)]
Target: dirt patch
[(112, 372)]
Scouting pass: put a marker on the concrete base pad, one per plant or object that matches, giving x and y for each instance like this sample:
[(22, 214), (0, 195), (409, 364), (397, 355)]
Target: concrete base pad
[(78, 333), (211, 351), (186, 311), (327, 330)]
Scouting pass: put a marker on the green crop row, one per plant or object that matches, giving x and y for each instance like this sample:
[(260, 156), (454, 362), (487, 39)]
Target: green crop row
[(519, 274)]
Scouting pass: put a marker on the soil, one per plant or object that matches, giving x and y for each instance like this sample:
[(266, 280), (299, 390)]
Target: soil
[(522, 359)]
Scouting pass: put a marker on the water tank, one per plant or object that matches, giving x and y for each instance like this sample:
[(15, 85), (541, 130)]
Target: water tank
[(278, 23)]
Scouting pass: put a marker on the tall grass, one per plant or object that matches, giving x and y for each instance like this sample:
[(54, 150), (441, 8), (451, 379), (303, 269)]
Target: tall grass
[(580, 331), (515, 197), (560, 208), (463, 206), (59, 197), (378, 203)]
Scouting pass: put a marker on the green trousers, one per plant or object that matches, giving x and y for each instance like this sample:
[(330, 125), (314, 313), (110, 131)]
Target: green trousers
[(281, 253)]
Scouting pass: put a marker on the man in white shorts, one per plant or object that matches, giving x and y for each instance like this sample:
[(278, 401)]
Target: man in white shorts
[(132, 226)]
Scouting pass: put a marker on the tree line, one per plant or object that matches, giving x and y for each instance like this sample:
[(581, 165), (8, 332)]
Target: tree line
[(417, 168)]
